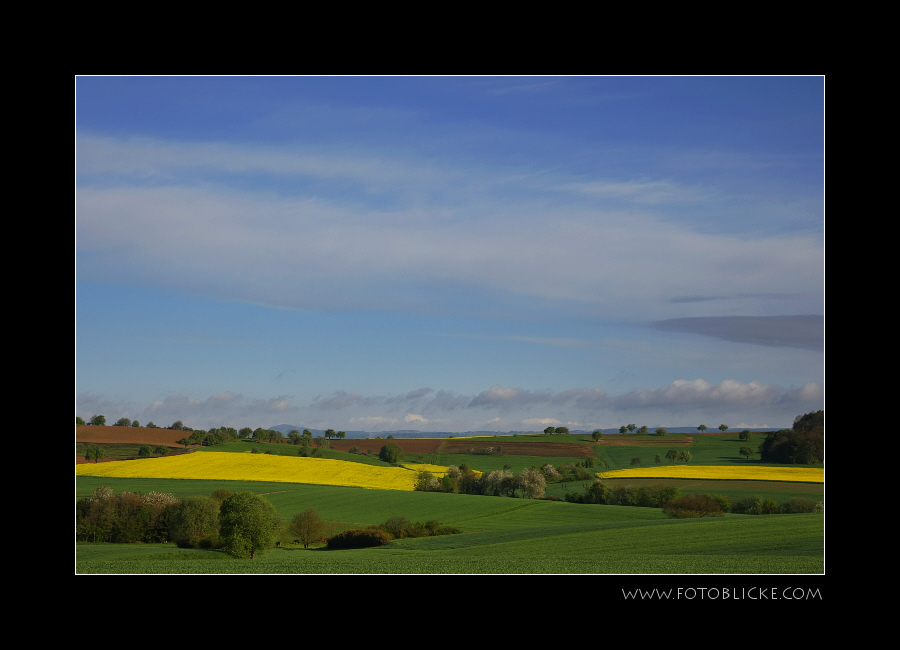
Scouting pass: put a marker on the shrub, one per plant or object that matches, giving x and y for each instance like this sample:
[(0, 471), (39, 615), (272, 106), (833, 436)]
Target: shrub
[(799, 505), (390, 453), (363, 538), (693, 505)]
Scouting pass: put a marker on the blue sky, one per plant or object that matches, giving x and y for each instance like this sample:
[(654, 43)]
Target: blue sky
[(449, 253)]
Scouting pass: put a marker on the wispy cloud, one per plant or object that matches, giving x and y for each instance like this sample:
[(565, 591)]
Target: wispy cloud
[(805, 332)]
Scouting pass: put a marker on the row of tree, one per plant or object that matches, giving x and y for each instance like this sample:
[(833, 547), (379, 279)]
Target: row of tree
[(530, 483)]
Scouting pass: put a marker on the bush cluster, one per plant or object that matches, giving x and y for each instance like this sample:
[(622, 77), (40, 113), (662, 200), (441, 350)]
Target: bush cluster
[(757, 505), (360, 538), (651, 496), (694, 505), (398, 527), (124, 518), (530, 483)]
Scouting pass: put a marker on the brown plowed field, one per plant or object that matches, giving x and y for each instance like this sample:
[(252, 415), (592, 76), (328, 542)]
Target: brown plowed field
[(131, 435)]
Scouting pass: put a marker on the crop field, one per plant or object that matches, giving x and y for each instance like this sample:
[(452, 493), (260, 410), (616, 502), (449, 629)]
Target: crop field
[(723, 473), (258, 467), (498, 535)]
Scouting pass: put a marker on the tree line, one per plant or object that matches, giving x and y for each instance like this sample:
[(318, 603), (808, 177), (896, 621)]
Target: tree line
[(242, 524)]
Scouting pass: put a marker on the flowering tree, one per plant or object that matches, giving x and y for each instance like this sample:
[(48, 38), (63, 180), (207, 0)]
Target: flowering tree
[(532, 483)]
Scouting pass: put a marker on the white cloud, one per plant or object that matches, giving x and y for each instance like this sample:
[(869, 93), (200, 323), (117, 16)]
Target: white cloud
[(539, 422)]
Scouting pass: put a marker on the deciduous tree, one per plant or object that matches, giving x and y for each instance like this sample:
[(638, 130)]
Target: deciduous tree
[(248, 524), (95, 453), (194, 519), (307, 526), (391, 453)]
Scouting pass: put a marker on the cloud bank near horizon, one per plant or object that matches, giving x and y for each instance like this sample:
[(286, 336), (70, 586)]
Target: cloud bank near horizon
[(498, 408)]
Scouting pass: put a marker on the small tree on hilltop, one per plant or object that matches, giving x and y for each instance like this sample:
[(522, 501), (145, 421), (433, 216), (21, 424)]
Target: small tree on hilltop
[(723, 428), (702, 428), (98, 420)]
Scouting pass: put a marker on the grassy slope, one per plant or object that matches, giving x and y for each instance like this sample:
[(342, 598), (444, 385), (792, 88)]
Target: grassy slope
[(501, 536)]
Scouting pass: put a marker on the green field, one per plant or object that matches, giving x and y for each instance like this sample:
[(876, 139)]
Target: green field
[(498, 535)]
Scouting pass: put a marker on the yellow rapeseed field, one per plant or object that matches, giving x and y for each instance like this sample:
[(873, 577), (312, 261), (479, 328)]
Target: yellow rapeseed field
[(793, 474), (437, 470), (257, 467)]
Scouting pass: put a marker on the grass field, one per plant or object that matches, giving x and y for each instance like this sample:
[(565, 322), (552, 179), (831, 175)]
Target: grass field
[(521, 536), (499, 535)]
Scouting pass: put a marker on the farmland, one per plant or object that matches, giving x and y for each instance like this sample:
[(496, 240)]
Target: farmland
[(498, 535)]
